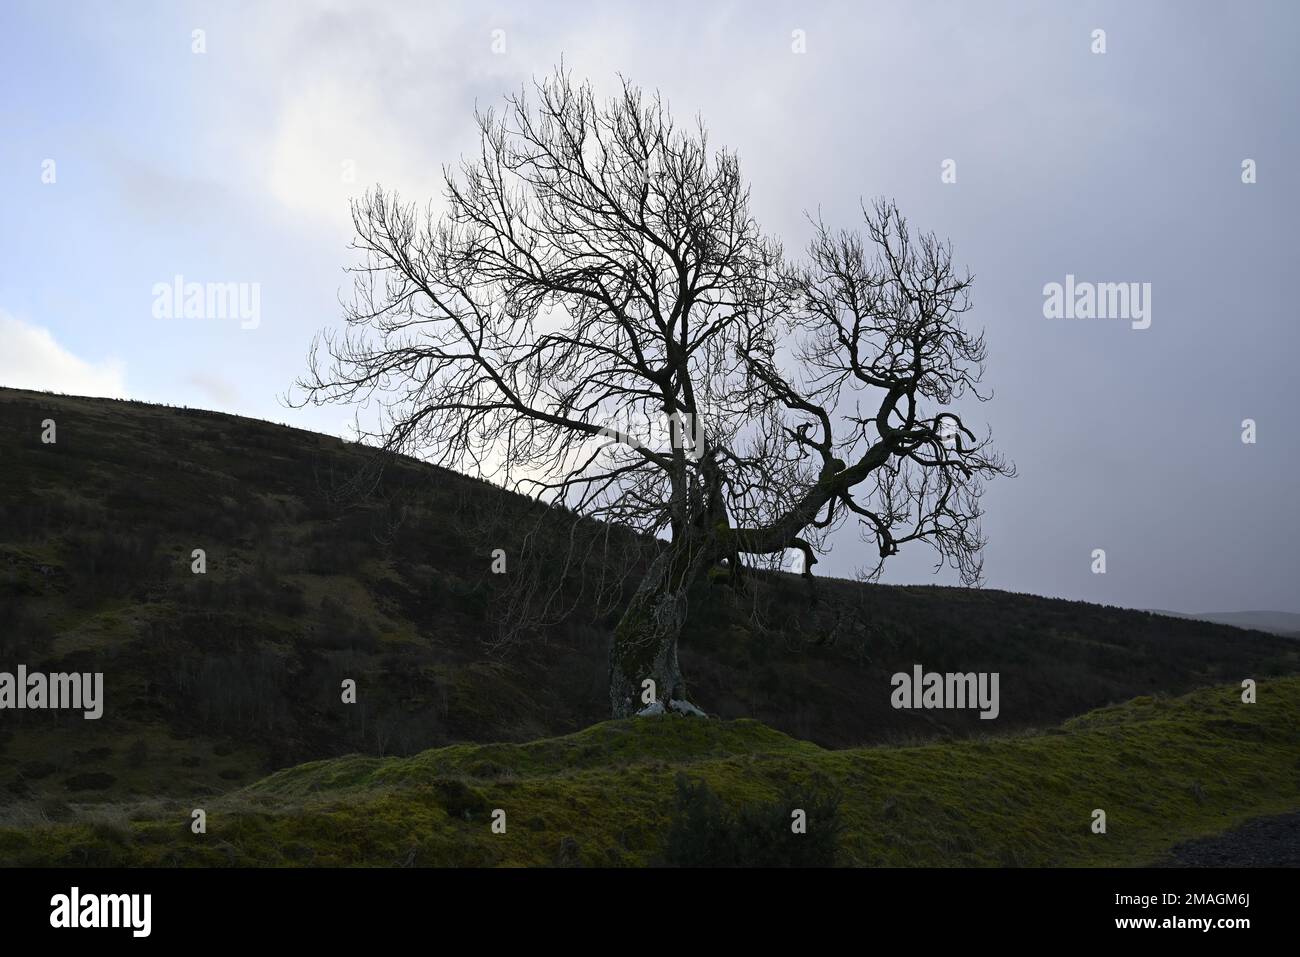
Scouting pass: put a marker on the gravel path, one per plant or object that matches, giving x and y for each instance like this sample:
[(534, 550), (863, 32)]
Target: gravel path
[(1263, 842)]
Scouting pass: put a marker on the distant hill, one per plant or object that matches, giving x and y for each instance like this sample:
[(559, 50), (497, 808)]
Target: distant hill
[(1285, 623), (214, 680)]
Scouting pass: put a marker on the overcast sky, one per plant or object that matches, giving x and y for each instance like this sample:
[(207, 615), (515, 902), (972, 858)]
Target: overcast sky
[(1124, 166)]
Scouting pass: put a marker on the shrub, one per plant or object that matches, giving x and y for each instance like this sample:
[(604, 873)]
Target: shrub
[(705, 833), (702, 833), (458, 799)]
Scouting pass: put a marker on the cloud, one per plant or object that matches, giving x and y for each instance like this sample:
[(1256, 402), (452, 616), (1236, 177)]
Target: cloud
[(214, 387), (333, 98), (332, 142), (31, 359)]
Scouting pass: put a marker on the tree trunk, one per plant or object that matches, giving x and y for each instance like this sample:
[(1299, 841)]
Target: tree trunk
[(645, 640)]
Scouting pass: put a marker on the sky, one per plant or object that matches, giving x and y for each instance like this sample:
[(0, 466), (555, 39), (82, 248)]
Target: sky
[(134, 150)]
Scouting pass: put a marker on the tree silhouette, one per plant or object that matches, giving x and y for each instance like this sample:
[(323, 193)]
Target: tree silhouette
[(597, 320)]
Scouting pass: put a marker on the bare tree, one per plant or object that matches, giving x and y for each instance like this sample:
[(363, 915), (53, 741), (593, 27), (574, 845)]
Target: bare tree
[(597, 320)]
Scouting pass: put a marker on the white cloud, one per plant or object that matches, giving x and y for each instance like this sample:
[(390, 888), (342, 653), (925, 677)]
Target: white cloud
[(333, 125), (214, 387), (377, 93), (386, 93), (32, 359)]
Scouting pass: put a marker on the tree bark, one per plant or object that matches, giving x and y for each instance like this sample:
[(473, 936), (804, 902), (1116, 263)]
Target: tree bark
[(645, 640)]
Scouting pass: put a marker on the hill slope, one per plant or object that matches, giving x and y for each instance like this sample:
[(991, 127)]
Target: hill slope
[(1164, 770), (214, 680), (1284, 623)]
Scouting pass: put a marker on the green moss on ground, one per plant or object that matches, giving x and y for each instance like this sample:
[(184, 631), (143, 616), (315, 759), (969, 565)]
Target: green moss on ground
[(1163, 769)]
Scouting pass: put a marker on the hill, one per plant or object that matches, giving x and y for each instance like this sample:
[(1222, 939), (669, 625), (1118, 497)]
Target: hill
[(1284, 623), (214, 680), (1164, 771)]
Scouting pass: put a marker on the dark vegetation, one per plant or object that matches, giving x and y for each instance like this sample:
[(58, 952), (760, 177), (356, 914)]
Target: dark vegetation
[(706, 832), (213, 680)]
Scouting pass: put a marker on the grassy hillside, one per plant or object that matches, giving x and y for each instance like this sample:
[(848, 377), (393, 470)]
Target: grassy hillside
[(215, 680), (1163, 769)]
